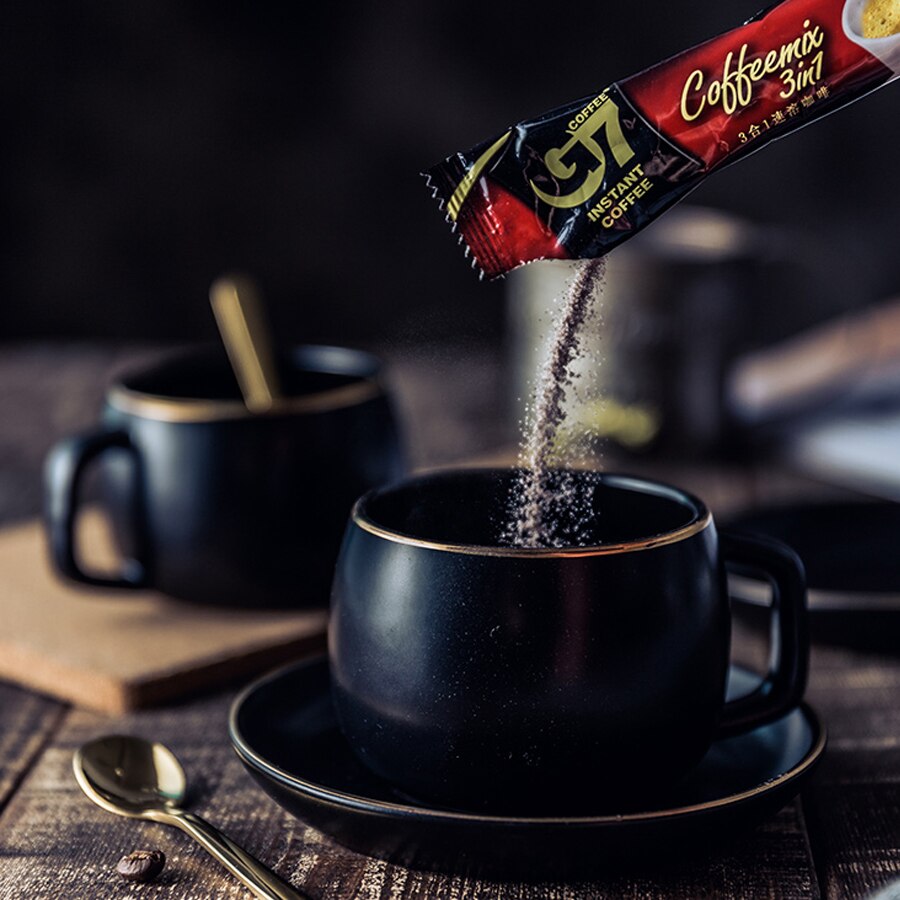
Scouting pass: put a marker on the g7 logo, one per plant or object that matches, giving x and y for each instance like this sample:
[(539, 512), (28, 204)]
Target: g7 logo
[(607, 115)]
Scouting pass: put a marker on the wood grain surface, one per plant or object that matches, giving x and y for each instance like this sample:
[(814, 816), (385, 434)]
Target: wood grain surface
[(56, 843), (839, 840)]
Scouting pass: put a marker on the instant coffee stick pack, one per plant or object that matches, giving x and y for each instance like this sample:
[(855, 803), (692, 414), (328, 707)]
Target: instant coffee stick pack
[(577, 181)]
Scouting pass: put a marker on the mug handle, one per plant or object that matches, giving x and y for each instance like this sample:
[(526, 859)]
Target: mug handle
[(66, 464), (783, 686)]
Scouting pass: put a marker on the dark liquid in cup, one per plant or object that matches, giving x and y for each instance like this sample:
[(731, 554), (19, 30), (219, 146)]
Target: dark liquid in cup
[(213, 380), (433, 512)]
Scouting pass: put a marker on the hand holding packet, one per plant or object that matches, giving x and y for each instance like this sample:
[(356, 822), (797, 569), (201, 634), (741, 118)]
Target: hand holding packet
[(577, 181)]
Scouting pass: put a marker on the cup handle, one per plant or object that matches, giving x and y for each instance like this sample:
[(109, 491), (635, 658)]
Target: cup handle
[(65, 466), (782, 688)]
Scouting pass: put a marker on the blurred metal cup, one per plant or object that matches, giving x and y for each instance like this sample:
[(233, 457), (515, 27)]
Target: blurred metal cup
[(655, 354)]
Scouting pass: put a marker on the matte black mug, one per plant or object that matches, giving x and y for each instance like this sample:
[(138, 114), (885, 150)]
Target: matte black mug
[(483, 676), (213, 504)]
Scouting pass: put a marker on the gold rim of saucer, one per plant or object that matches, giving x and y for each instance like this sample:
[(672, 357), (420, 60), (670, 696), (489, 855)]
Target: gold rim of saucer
[(189, 409), (702, 521)]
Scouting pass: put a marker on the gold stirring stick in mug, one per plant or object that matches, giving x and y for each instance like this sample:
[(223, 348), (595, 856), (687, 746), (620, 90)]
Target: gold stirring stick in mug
[(239, 314)]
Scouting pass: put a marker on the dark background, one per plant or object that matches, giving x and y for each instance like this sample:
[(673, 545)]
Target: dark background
[(148, 146)]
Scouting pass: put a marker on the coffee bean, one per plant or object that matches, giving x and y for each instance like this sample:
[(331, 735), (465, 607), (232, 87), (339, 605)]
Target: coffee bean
[(141, 865)]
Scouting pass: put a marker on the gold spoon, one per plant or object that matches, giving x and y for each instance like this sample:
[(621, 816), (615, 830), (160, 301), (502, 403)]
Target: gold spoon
[(133, 777), (239, 314)]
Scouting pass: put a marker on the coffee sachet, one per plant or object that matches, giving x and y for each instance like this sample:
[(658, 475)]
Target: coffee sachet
[(577, 181)]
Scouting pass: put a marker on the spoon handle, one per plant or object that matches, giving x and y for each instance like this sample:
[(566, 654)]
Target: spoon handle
[(259, 878), (239, 314)]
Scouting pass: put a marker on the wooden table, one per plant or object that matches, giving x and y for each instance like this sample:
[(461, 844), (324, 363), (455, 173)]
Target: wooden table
[(841, 838)]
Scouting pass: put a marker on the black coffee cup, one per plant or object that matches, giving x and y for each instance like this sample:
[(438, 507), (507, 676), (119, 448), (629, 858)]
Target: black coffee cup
[(483, 676), (213, 504)]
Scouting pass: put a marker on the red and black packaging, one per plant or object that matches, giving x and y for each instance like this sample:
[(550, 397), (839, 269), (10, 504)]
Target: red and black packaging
[(579, 180)]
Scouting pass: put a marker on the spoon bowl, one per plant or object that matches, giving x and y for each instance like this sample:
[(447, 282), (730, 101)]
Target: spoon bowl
[(129, 776), (141, 779)]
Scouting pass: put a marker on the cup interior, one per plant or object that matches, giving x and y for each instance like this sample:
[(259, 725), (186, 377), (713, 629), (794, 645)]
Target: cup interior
[(470, 508), (886, 48), (207, 374)]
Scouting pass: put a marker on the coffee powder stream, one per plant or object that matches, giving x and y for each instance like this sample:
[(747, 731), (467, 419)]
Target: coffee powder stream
[(547, 508)]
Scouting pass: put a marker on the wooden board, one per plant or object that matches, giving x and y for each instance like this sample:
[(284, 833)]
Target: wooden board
[(119, 650)]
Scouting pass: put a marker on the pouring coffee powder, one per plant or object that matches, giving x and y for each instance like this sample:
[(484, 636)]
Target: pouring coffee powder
[(575, 182), (579, 180), (549, 507)]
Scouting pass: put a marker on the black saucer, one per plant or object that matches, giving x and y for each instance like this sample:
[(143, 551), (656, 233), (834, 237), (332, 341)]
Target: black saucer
[(284, 731), (849, 550)]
